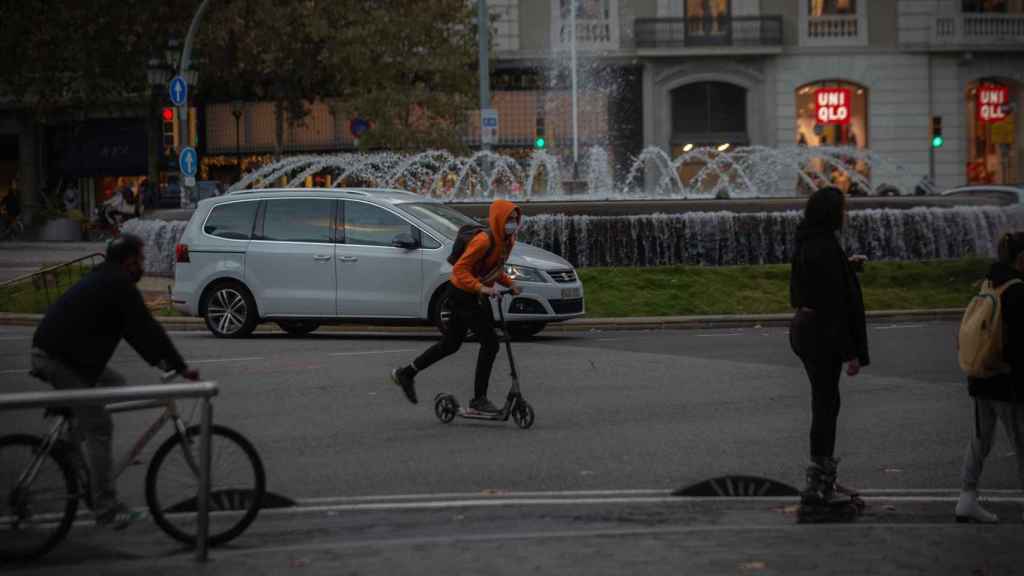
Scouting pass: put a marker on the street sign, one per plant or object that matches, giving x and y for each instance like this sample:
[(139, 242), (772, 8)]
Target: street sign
[(1004, 132), (188, 161), (179, 91), (488, 126), (357, 127), (190, 181)]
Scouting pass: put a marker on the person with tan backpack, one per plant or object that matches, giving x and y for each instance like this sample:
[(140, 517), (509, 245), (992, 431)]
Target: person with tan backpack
[(991, 353)]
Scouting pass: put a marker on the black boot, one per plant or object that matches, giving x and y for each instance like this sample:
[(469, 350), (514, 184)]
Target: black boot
[(821, 484), (405, 378)]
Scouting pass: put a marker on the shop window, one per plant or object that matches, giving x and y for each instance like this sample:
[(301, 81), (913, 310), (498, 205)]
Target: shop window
[(992, 134), (833, 113), (819, 8), (993, 6), (708, 109)]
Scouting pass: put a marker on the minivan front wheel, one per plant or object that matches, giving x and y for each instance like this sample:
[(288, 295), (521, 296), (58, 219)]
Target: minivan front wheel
[(229, 310)]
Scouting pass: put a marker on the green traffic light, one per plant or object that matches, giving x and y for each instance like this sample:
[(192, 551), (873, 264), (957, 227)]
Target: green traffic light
[(539, 143), (937, 142)]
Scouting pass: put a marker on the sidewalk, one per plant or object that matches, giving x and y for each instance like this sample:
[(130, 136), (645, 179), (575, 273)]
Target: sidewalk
[(898, 534)]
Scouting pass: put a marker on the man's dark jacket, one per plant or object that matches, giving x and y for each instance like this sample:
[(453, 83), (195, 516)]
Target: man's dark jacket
[(1006, 387), (83, 328), (822, 280)]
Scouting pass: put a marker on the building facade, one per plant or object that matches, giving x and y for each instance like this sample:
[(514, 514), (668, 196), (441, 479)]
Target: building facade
[(873, 74)]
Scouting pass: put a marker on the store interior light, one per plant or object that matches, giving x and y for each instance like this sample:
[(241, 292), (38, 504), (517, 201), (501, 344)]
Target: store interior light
[(688, 147), (724, 147)]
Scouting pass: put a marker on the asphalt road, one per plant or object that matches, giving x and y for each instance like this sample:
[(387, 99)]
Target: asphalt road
[(615, 411)]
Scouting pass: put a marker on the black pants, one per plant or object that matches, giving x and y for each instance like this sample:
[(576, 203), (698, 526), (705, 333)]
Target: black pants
[(824, 372), (469, 312)]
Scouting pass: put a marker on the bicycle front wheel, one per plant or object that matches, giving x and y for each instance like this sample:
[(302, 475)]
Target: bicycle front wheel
[(36, 510), (237, 485)]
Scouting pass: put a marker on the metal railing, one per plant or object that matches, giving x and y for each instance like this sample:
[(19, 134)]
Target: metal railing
[(44, 286), (979, 29), (201, 390), (711, 31)]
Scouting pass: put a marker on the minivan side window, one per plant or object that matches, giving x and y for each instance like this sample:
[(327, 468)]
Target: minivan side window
[(232, 221), (298, 220), (368, 225)]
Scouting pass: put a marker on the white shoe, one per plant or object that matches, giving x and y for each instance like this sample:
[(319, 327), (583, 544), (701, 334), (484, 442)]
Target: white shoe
[(968, 510)]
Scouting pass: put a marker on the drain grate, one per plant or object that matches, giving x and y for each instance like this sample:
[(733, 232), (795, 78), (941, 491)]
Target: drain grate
[(738, 486)]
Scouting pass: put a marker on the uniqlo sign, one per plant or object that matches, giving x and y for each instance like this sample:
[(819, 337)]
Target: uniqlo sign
[(992, 101), (832, 105)]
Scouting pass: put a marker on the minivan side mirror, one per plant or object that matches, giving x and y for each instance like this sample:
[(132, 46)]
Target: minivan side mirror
[(405, 240)]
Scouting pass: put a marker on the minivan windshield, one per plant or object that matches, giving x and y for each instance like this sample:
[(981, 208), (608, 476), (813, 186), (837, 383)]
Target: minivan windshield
[(446, 221)]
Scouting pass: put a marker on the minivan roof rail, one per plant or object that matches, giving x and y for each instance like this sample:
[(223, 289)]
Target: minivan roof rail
[(354, 192)]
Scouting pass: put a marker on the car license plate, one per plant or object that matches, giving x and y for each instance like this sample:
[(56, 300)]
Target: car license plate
[(571, 293)]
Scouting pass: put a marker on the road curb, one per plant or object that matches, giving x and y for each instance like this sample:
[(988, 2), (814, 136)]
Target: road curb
[(579, 325)]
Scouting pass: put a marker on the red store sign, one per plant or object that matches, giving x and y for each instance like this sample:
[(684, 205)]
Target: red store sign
[(832, 105), (992, 102)]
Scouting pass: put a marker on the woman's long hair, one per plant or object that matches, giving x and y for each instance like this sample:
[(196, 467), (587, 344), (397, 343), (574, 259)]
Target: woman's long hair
[(824, 210), (1010, 246)]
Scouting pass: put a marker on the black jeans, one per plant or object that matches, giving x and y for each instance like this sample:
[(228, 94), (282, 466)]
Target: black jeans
[(824, 372), (469, 312)]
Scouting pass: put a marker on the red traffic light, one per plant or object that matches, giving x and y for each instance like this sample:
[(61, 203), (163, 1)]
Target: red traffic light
[(168, 114)]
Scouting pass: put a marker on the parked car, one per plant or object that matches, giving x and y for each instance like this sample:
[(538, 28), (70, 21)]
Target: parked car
[(1014, 192), (306, 257)]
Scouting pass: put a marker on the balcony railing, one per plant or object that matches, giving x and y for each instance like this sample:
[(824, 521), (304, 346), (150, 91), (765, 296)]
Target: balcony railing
[(981, 28), (832, 27), (740, 31)]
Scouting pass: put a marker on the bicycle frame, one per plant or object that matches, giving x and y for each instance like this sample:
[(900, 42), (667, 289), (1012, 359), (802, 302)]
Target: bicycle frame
[(63, 429)]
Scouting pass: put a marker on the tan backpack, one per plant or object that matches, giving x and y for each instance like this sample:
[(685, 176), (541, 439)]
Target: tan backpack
[(981, 333)]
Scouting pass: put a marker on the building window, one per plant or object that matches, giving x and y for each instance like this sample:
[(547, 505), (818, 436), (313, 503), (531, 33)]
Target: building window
[(833, 113), (707, 17), (992, 135), (709, 114), (819, 8), (993, 6)]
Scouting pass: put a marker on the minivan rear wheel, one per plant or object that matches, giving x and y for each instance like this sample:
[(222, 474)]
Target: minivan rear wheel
[(229, 310)]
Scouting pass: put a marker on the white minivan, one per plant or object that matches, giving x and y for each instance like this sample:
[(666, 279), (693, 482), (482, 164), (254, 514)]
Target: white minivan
[(306, 257)]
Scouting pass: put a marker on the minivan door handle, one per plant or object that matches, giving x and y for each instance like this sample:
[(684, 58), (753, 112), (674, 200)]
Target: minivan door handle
[(321, 257), (348, 259)]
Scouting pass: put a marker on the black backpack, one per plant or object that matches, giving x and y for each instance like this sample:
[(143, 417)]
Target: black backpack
[(466, 234)]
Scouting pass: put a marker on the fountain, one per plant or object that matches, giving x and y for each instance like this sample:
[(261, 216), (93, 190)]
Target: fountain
[(703, 207)]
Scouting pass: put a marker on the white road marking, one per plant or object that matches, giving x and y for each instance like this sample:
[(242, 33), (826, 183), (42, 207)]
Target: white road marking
[(369, 352), (15, 338), (216, 360), (18, 371), (900, 326), (718, 334)]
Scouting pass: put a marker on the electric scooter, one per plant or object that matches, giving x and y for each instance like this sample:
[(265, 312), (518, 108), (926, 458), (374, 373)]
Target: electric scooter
[(446, 407)]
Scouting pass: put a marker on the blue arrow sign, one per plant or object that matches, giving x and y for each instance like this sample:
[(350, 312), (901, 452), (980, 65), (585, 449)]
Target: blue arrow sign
[(188, 161), (179, 91)]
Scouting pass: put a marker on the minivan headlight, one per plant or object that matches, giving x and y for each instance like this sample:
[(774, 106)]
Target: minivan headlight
[(524, 274)]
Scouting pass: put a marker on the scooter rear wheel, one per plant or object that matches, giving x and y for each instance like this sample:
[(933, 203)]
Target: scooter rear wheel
[(522, 413), (445, 407)]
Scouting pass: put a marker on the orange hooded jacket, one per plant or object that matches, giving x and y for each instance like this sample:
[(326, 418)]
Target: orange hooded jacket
[(473, 270)]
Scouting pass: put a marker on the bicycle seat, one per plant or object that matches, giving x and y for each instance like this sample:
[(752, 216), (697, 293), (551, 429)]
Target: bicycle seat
[(54, 411)]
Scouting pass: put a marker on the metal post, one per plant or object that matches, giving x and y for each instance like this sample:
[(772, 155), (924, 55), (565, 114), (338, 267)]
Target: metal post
[(484, 24), (183, 66), (204, 481), (575, 115), (931, 120)]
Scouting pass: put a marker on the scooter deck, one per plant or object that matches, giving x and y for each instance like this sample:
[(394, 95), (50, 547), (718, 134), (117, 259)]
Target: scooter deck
[(478, 415)]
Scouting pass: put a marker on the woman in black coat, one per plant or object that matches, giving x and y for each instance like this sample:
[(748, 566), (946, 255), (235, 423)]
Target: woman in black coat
[(828, 329)]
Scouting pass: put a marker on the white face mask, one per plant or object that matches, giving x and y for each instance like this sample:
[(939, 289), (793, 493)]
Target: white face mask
[(510, 227)]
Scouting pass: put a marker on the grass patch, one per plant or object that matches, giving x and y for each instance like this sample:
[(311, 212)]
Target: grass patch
[(34, 295), (697, 290)]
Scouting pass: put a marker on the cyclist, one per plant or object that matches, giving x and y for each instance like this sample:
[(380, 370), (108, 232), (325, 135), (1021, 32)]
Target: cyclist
[(76, 339), (473, 280)]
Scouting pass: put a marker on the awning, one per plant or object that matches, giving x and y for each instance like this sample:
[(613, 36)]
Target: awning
[(107, 148)]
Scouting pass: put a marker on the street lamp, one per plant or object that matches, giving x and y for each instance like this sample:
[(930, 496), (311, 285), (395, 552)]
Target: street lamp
[(237, 109)]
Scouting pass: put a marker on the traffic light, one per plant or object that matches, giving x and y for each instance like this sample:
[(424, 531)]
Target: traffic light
[(539, 142), (937, 140), (169, 127)]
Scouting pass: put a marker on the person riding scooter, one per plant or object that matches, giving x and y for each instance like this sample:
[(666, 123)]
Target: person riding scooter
[(473, 279)]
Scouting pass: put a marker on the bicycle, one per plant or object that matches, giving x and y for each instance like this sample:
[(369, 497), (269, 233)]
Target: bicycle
[(43, 478)]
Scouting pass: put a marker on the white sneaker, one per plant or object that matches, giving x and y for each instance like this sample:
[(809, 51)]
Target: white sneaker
[(968, 509)]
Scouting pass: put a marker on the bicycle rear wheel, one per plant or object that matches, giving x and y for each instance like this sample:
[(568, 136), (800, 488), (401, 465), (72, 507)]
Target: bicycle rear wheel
[(34, 517), (237, 485)]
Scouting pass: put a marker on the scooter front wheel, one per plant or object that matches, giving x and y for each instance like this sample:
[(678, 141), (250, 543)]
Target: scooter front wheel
[(522, 413), (445, 407)]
